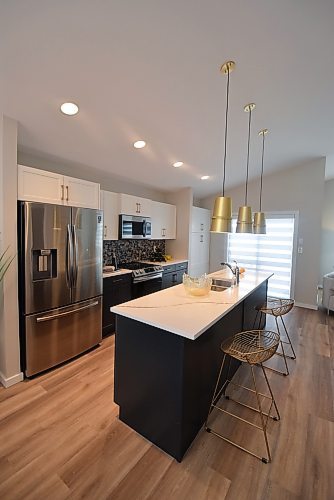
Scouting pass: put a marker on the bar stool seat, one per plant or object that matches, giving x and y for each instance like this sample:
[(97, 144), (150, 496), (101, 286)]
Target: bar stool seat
[(252, 347), (278, 307)]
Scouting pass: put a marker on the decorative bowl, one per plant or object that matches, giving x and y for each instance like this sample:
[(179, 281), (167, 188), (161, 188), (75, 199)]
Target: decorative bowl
[(197, 286)]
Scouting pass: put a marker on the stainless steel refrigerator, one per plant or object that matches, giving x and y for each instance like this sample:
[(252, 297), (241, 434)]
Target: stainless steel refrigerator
[(60, 255)]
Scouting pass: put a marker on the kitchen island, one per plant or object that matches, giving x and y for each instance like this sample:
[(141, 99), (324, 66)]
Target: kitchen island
[(167, 356)]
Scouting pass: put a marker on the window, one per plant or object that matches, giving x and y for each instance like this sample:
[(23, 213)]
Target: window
[(273, 252)]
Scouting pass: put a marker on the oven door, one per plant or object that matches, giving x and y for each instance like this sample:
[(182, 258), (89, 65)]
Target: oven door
[(146, 285)]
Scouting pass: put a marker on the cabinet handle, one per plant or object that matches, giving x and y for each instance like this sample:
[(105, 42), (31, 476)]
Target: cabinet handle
[(174, 278), (66, 193), (117, 281), (62, 191), (201, 238), (105, 232), (202, 227), (139, 207)]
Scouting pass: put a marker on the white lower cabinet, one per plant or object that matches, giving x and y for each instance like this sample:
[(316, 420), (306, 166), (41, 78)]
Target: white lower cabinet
[(48, 187), (109, 205), (163, 221)]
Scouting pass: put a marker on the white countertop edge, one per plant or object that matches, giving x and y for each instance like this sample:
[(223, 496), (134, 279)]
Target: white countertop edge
[(167, 262), (116, 273), (180, 332)]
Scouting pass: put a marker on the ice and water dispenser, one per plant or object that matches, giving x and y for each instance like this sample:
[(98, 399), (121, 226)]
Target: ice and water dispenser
[(44, 264)]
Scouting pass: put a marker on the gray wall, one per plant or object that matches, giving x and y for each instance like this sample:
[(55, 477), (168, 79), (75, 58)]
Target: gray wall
[(107, 181), (327, 237), (297, 189)]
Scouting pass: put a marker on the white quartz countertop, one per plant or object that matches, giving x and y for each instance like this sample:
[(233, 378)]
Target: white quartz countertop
[(116, 273), (177, 312), (167, 263)]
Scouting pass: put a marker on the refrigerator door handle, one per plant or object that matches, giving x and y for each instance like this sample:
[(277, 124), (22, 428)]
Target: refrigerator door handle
[(67, 313), (69, 257), (75, 256)]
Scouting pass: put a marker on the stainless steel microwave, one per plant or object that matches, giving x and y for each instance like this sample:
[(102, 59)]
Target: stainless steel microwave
[(132, 227)]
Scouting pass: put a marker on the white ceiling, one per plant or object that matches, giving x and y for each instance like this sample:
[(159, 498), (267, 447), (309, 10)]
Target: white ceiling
[(150, 69)]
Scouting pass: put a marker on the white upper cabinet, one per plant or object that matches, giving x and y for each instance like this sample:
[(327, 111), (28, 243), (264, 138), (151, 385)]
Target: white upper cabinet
[(133, 205), (48, 187), (39, 185), (163, 221), (81, 193), (109, 205), (201, 220)]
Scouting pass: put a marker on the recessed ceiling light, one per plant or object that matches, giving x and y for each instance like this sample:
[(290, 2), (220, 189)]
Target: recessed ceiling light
[(69, 108), (139, 144), (205, 177), (178, 164)]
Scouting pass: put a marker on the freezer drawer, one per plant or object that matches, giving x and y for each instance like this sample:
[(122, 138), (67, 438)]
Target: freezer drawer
[(60, 334)]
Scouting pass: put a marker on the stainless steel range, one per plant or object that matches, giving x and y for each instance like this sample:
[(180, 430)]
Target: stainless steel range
[(146, 278)]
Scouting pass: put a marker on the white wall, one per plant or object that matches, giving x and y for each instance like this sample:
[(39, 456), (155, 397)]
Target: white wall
[(183, 199), (9, 319), (297, 189), (108, 182), (327, 236)]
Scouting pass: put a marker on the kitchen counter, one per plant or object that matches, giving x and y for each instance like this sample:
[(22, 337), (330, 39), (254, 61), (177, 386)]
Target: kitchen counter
[(116, 273), (177, 312), (167, 356), (166, 263)]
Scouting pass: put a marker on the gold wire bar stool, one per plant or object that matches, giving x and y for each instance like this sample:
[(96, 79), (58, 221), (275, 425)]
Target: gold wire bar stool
[(252, 347), (278, 307)]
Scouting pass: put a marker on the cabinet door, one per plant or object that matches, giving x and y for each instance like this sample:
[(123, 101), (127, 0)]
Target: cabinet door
[(199, 254), (163, 221), (133, 205), (81, 193), (109, 205), (201, 219), (169, 279), (40, 185), (115, 291)]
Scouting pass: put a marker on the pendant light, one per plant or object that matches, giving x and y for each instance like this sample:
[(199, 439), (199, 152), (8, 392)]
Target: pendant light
[(221, 221), (245, 222), (259, 226)]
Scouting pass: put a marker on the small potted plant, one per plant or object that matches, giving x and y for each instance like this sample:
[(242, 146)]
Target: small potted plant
[(5, 262)]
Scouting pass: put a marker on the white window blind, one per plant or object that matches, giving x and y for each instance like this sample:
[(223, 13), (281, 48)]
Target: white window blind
[(273, 252)]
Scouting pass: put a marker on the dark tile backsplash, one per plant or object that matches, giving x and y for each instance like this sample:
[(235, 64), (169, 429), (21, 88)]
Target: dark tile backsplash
[(131, 250)]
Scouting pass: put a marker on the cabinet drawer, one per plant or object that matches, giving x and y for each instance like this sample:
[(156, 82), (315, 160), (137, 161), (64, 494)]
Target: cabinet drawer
[(169, 269), (183, 266)]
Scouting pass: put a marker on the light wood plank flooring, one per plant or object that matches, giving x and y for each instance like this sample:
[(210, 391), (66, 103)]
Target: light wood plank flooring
[(60, 436)]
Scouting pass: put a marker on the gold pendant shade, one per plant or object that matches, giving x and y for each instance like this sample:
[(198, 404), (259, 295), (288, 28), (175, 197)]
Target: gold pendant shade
[(221, 221), (259, 226), (245, 221)]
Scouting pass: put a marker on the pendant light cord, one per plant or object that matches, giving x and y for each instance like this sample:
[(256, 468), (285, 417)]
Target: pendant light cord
[(249, 129), (262, 172), (226, 121)]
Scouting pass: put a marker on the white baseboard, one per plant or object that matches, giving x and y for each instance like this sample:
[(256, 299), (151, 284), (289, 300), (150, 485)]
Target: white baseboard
[(306, 306), (7, 382)]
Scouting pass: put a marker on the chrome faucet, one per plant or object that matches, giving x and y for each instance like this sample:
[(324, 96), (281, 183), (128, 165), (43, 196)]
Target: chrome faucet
[(235, 270)]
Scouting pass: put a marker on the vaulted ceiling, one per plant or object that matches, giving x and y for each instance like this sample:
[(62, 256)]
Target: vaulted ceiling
[(149, 70)]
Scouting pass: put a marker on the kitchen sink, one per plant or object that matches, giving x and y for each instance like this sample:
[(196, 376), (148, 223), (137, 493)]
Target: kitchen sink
[(219, 285)]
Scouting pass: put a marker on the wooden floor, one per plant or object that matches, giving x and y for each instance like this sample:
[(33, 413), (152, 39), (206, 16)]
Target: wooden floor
[(60, 436)]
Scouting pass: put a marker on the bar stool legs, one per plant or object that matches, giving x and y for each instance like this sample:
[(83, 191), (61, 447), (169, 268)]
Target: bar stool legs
[(219, 391), (278, 307)]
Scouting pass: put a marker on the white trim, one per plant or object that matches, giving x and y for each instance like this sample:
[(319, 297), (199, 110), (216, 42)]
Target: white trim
[(306, 306), (15, 379)]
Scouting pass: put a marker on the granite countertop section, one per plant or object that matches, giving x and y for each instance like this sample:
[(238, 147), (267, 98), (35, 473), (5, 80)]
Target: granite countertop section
[(177, 312), (109, 274), (167, 263)]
